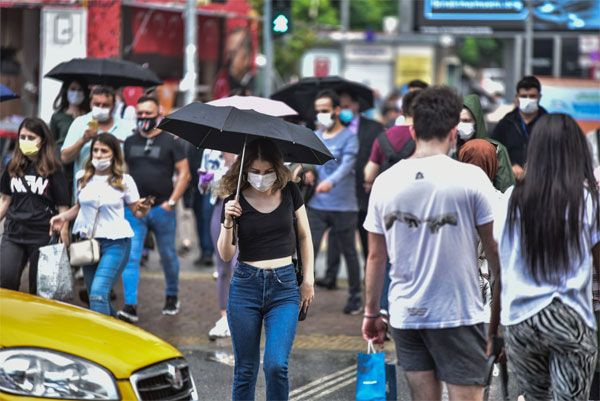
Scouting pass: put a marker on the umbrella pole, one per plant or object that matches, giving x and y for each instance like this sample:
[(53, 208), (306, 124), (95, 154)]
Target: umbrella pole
[(237, 192)]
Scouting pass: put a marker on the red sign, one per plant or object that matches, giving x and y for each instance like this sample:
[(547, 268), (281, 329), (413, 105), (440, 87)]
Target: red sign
[(161, 32), (322, 65)]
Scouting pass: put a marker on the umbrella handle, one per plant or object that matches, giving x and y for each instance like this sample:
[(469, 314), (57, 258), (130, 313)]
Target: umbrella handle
[(237, 192)]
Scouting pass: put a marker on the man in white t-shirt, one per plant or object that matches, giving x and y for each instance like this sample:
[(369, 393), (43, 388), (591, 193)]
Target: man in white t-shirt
[(425, 214)]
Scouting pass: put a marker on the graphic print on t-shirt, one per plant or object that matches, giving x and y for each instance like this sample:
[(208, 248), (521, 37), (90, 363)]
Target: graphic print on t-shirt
[(36, 184), (433, 223)]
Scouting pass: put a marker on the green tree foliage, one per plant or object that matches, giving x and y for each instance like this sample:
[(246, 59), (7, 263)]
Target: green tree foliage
[(481, 52), (368, 14)]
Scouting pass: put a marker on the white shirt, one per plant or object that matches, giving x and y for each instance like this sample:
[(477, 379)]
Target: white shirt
[(521, 296), (428, 210), (121, 129), (99, 198)]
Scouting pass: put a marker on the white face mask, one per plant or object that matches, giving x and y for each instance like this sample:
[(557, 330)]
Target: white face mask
[(527, 105), (325, 120), (466, 131), (260, 182), (75, 97), (101, 164), (100, 114)]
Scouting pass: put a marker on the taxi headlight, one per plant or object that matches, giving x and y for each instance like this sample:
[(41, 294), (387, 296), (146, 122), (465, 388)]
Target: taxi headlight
[(50, 374)]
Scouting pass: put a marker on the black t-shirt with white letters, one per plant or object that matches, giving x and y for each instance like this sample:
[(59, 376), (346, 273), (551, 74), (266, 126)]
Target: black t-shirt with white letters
[(35, 199)]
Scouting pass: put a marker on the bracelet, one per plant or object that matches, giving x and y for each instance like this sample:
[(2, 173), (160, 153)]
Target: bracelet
[(371, 316), (227, 228)]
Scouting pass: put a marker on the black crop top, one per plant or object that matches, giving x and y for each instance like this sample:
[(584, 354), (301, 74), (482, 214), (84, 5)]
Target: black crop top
[(264, 236)]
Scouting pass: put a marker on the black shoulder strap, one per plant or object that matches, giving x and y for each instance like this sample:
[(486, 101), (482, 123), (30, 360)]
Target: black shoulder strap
[(407, 149), (386, 146), (123, 108)]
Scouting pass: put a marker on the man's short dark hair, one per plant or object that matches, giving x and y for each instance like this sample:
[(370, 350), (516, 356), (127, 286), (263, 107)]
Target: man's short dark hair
[(417, 83), (335, 100), (407, 102), (103, 90), (146, 98), (529, 82), (436, 111)]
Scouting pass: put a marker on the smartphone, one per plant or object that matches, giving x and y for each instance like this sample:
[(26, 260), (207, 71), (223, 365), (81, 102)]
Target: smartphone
[(302, 314)]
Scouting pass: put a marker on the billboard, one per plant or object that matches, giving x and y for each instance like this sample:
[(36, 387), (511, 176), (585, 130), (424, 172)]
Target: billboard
[(549, 15)]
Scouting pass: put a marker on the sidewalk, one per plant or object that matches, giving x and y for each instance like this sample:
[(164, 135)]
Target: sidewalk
[(325, 328)]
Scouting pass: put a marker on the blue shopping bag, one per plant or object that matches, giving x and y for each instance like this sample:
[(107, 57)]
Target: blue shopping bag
[(370, 375)]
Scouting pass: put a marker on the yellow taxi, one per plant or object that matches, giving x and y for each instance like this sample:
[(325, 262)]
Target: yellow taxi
[(53, 350)]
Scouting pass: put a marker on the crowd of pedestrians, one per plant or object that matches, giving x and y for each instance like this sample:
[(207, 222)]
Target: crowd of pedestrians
[(461, 232)]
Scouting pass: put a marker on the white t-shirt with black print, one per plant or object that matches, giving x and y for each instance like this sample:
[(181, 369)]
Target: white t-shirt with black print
[(428, 210)]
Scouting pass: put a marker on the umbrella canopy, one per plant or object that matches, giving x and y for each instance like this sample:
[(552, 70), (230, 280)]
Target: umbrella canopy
[(301, 95), (6, 93), (262, 105), (228, 129), (104, 71)]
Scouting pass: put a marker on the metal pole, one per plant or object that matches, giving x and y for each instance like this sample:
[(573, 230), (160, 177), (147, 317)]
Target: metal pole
[(528, 39), (268, 47), (406, 15), (345, 13), (190, 51), (518, 58), (557, 56)]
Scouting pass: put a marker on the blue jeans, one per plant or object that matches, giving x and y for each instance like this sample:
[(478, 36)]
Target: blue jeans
[(163, 224), (101, 277), (203, 212), (255, 295)]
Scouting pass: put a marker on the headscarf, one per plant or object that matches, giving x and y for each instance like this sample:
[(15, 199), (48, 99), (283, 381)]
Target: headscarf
[(482, 154)]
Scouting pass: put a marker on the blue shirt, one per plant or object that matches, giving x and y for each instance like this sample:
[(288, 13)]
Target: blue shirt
[(340, 172)]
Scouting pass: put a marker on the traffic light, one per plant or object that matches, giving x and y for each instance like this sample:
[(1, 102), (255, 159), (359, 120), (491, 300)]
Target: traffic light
[(281, 17)]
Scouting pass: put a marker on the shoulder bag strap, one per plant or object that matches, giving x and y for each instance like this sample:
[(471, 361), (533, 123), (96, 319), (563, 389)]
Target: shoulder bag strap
[(95, 222), (386, 146)]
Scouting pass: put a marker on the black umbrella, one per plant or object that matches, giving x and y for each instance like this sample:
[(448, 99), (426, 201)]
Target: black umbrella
[(104, 71), (229, 129), (7, 94), (301, 95)]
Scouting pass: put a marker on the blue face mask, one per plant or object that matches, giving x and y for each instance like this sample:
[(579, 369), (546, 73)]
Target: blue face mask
[(346, 116)]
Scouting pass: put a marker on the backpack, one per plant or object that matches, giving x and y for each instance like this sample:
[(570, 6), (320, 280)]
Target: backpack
[(391, 156)]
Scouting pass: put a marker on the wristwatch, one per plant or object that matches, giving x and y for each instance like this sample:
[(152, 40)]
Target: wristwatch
[(171, 203)]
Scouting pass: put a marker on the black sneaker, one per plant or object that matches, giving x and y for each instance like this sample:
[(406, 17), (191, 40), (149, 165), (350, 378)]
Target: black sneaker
[(171, 305), (207, 260), (128, 314), (325, 282), (353, 306)]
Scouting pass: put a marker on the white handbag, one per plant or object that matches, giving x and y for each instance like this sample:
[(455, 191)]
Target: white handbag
[(87, 251)]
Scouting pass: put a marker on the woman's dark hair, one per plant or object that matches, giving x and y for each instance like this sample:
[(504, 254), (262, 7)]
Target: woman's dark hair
[(116, 168), (548, 206), (436, 110), (46, 163), (259, 149), (61, 102)]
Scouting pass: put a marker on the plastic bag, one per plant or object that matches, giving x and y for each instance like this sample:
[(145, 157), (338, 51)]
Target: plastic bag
[(54, 276), (370, 375)]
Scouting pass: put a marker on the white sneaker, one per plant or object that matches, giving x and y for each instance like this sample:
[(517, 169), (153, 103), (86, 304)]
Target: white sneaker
[(221, 330)]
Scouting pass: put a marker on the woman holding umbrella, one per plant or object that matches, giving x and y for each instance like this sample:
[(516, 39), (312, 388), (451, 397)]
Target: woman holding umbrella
[(264, 286)]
